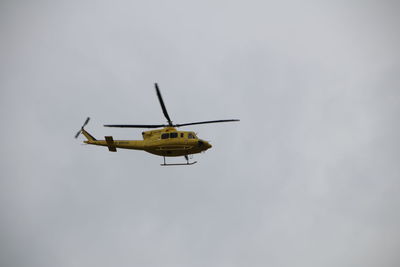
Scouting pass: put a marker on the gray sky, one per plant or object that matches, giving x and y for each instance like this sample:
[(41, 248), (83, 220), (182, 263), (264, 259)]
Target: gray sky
[(309, 177)]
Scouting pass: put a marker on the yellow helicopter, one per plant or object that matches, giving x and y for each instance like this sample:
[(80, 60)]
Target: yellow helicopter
[(166, 142)]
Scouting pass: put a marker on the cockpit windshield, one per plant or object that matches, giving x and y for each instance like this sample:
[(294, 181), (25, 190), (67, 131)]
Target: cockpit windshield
[(191, 135)]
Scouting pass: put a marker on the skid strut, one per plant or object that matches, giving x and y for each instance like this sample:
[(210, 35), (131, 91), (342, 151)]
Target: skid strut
[(179, 164)]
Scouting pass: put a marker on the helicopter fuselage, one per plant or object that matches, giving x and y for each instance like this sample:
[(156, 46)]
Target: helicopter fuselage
[(167, 142)]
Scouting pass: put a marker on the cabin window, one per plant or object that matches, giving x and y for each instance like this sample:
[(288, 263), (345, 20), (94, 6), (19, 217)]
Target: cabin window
[(174, 135), (165, 136), (191, 136), (181, 135)]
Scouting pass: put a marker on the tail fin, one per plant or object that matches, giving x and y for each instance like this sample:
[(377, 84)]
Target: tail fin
[(88, 136)]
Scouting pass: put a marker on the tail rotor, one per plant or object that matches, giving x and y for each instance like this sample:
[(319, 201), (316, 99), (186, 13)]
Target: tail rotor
[(84, 124)]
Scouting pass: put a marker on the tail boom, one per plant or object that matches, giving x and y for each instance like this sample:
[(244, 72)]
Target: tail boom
[(114, 144)]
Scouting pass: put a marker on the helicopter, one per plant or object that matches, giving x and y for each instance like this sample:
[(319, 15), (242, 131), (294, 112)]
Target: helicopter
[(165, 142)]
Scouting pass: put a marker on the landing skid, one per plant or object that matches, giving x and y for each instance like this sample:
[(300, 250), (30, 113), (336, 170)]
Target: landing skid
[(179, 164)]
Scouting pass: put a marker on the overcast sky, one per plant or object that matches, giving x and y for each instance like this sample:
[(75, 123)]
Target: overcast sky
[(308, 177)]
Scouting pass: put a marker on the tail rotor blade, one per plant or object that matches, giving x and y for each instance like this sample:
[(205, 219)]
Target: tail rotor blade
[(84, 124), (78, 133)]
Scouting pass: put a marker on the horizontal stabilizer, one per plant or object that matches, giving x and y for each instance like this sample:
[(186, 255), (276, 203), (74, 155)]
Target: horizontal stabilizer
[(111, 144)]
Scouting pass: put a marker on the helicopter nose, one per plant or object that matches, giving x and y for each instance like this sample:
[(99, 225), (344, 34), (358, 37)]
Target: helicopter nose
[(205, 144)]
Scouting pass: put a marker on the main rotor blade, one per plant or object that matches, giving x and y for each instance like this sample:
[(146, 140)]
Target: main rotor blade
[(162, 104), (203, 122), (136, 125)]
